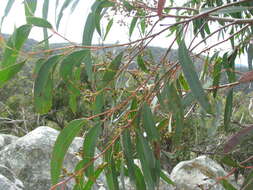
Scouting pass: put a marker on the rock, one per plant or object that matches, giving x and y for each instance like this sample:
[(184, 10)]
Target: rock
[(6, 139), (199, 173), (29, 158), (8, 180)]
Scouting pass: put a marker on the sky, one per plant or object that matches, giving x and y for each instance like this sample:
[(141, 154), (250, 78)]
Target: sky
[(72, 26)]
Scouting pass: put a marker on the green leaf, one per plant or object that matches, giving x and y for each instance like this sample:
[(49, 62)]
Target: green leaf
[(97, 9), (45, 16), (192, 78), (141, 64), (108, 28), (60, 14), (128, 154), (228, 109), (149, 164), (110, 171), (61, 146), (30, 7), (6, 11), (14, 44), (140, 182), (149, 123), (93, 178), (166, 178), (40, 22), (9, 72), (229, 161), (70, 61), (111, 71), (89, 145), (132, 25), (216, 75), (227, 185), (43, 85)]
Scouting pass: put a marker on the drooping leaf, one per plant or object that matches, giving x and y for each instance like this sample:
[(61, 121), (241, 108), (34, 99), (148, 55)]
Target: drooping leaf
[(110, 171), (40, 22), (192, 78), (108, 28), (150, 166), (97, 9), (43, 85), (60, 14), (228, 109), (6, 11), (14, 45), (89, 146), (237, 139), (45, 16), (61, 146), (132, 25), (30, 7), (111, 71), (128, 154), (149, 123), (216, 75), (8, 72)]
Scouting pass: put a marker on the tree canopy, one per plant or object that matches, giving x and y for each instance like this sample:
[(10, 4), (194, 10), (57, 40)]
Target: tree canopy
[(130, 106)]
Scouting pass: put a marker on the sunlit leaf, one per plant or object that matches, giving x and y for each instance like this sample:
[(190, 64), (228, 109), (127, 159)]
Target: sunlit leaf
[(60, 14), (166, 178), (192, 77), (61, 146), (227, 185), (30, 7)]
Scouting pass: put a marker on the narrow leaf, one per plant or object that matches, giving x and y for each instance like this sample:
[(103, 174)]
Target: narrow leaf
[(108, 28), (132, 25), (40, 22), (141, 64), (89, 145), (228, 109), (61, 146), (149, 123), (192, 78)]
